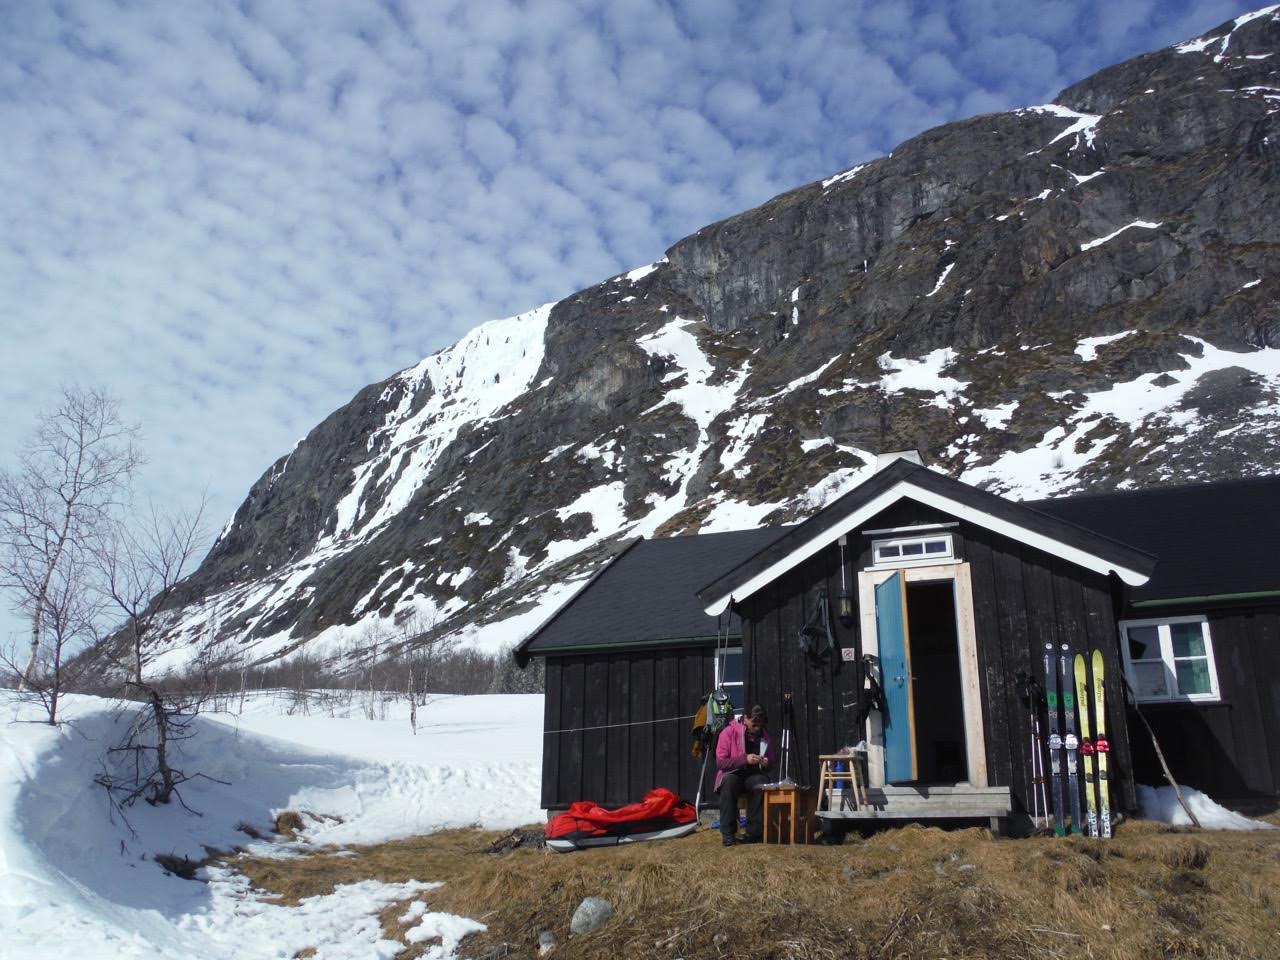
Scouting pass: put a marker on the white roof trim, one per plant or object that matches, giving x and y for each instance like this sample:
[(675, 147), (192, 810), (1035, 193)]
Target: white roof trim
[(905, 488)]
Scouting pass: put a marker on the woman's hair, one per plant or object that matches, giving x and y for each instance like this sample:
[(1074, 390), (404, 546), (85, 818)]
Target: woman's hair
[(756, 713)]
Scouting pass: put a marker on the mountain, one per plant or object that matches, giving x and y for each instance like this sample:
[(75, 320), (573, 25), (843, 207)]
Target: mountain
[(1076, 296)]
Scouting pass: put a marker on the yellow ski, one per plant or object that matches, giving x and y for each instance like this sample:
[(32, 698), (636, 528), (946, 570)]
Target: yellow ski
[(1086, 742), (1101, 746)]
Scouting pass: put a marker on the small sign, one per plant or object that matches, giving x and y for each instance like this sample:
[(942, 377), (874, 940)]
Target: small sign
[(848, 654)]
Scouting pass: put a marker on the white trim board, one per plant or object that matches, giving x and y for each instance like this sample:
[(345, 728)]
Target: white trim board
[(904, 489)]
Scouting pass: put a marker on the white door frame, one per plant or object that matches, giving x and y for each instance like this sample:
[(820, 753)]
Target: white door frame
[(970, 679)]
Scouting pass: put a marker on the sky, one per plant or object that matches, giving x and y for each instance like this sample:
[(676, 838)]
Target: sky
[(236, 215)]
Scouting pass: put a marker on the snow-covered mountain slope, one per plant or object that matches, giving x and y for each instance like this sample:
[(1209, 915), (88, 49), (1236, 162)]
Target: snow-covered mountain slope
[(72, 871), (1080, 295)]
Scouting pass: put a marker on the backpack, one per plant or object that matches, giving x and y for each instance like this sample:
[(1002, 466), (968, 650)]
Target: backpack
[(712, 717)]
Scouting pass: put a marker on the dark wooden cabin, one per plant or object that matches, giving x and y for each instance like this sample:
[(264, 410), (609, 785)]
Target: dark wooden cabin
[(984, 584), (1211, 612)]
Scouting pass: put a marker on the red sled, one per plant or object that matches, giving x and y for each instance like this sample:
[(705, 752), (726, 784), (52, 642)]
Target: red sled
[(661, 815)]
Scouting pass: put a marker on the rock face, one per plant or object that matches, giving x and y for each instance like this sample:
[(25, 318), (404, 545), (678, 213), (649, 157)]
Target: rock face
[(1076, 296)]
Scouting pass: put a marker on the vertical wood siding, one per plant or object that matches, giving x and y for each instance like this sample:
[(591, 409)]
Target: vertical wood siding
[(1023, 598), (1229, 749), (611, 750)]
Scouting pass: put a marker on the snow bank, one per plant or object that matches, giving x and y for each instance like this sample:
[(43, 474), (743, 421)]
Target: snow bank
[(73, 871), (1160, 803)]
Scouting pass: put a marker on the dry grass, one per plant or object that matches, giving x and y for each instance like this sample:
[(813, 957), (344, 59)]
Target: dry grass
[(1152, 892)]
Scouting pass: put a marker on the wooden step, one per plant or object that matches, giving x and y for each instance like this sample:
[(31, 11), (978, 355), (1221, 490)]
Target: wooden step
[(929, 802)]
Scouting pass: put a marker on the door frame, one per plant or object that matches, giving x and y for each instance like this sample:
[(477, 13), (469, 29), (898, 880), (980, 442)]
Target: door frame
[(967, 640)]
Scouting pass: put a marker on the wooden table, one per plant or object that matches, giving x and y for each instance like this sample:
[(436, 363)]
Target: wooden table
[(793, 807)]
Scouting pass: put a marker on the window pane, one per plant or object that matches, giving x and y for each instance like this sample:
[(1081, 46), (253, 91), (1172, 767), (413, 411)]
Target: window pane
[(891, 551), (935, 546), (731, 671), (1144, 643), (1150, 680), (912, 549), (734, 690), (1188, 639), (1193, 677)]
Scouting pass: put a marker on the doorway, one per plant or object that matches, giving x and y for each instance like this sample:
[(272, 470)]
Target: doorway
[(935, 673), (917, 624)]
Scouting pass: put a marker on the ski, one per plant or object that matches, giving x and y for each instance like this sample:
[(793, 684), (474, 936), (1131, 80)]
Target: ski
[(1055, 739), (1101, 746), (1086, 744), (1070, 743)]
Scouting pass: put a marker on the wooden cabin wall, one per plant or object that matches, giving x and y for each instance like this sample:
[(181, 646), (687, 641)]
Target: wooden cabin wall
[(616, 725), (1024, 598), (824, 696), (1230, 750)]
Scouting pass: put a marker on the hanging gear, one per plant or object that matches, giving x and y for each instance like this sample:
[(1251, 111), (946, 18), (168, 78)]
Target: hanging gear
[(872, 693), (715, 712), (817, 639)]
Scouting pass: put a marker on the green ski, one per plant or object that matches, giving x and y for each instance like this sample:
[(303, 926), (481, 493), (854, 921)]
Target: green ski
[(1101, 747), (1086, 743), (1070, 743)]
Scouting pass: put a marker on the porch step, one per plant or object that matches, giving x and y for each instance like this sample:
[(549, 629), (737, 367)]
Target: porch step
[(934, 802)]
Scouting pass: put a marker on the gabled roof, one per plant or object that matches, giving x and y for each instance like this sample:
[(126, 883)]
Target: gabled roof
[(906, 480), (1213, 539), (646, 594)]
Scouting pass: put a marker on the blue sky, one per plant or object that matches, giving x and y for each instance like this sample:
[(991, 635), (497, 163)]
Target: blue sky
[(236, 215)]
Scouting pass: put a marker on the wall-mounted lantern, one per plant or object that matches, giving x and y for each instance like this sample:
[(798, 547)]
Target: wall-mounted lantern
[(844, 602)]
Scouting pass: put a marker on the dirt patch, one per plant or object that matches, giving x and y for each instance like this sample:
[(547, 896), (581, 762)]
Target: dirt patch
[(916, 891)]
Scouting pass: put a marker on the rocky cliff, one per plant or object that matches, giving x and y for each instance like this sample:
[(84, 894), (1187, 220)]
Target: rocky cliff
[(1081, 295)]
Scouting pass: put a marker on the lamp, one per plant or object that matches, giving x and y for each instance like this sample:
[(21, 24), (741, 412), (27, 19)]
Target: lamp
[(844, 602)]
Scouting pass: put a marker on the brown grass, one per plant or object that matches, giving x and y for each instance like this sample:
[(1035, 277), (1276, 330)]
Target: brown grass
[(1152, 892)]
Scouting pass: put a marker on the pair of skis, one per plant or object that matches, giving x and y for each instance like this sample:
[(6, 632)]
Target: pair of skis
[(1063, 741)]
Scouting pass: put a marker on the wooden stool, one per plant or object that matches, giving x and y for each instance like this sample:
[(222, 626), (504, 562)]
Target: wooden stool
[(796, 804), (850, 780)]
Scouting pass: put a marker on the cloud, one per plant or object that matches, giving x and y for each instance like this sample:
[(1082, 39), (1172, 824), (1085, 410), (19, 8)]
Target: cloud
[(238, 215)]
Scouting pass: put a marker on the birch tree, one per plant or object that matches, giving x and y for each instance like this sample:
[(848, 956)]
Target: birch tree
[(69, 478)]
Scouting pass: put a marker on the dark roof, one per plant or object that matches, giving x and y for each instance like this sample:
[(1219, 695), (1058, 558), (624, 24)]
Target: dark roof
[(1212, 539), (646, 594), (922, 482)]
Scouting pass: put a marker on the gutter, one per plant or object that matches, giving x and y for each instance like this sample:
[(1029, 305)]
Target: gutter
[(1208, 598), (631, 645)]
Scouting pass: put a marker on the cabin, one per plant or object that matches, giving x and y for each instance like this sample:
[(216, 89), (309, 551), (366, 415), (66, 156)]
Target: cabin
[(949, 598)]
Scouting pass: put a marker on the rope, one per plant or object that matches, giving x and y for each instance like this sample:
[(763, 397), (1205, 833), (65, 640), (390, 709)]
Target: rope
[(611, 726)]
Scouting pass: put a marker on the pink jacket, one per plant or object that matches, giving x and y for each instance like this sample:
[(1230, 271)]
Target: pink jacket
[(731, 750)]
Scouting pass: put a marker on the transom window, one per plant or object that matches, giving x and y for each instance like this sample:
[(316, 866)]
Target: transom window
[(729, 674), (906, 551), (1169, 660)]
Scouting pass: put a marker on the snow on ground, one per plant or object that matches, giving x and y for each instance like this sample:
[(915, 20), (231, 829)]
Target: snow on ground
[(1161, 803), (72, 871)]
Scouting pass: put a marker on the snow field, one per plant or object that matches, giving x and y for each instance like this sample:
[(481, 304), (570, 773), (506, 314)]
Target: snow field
[(73, 870)]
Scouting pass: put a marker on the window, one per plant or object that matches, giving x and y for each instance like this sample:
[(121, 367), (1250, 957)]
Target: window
[(729, 674), (1169, 660), (907, 551)]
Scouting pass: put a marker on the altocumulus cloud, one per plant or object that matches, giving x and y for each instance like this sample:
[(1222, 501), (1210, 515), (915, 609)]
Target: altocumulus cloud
[(237, 214)]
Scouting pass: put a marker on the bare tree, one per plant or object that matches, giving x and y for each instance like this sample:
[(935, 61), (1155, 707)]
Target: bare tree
[(69, 620), (70, 477), (141, 565)]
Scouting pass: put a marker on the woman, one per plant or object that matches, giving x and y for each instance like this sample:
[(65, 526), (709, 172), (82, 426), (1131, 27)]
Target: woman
[(744, 754)]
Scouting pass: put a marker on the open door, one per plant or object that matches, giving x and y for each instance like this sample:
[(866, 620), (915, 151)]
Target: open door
[(895, 671)]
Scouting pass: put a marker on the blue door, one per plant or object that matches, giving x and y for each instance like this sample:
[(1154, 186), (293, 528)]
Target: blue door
[(895, 673)]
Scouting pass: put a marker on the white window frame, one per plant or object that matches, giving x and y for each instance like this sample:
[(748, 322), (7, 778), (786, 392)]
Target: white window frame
[(732, 685), (1167, 659), (923, 559)]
